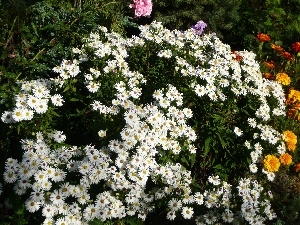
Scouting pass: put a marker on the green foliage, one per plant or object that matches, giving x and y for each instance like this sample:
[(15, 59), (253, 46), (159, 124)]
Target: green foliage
[(276, 18), (136, 74), (34, 42), (287, 197), (235, 22), (220, 15), (35, 36)]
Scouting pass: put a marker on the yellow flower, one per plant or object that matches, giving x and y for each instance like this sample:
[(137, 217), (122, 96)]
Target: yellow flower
[(296, 106), (283, 78), (271, 163), (293, 97), (286, 159), (291, 140)]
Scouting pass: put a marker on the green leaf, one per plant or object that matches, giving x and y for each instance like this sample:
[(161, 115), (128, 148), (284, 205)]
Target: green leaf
[(81, 112), (20, 211), (192, 159), (134, 221), (55, 114), (34, 29), (74, 99), (96, 222), (206, 146), (222, 141), (19, 128), (217, 117), (183, 159), (25, 28), (66, 88), (218, 167)]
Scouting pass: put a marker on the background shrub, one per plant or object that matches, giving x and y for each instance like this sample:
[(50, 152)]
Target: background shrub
[(36, 35)]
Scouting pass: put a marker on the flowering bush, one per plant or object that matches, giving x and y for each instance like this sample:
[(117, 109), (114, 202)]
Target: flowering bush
[(141, 7), (168, 120), (279, 62)]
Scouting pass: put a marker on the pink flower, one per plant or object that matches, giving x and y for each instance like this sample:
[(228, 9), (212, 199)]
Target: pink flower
[(142, 7)]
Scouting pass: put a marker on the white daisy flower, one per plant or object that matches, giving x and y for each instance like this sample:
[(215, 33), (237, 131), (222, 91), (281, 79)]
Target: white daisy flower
[(187, 212), (238, 131)]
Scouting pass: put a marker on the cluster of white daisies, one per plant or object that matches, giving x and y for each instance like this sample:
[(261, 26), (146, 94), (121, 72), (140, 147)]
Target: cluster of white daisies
[(34, 98), (60, 181), (47, 174)]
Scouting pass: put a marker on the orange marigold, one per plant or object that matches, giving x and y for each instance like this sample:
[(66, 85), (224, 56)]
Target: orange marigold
[(293, 96), (296, 106), (287, 55), (283, 78), (263, 37), (277, 48), (296, 46), (271, 163), (267, 75), (270, 64), (286, 159), (291, 139), (297, 167), (291, 146)]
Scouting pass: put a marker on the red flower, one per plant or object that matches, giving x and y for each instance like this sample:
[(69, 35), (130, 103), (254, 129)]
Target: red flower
[(238, 57), (270, 64), (297, 167), (296, 46), (263, 37), (268, 75), (287, 55)]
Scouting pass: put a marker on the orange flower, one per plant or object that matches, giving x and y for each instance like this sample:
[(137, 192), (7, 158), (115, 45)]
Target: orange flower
[(277, 48), (286, 159), (294, 114), (293, 97), (296, 46), (287, 55), (291, 113), (263, 37), (296, 106), (271, 163), (297, 167), (238, 57), (270, 64), (283, 78), (291, 146), (268, 75), (291, 140)]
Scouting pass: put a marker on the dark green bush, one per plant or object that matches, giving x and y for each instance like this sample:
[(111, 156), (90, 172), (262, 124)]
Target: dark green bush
[(220, 15), (34, 37), (235, 22)]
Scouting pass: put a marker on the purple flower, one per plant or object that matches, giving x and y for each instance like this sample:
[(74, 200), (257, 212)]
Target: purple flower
[(199, 27)]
